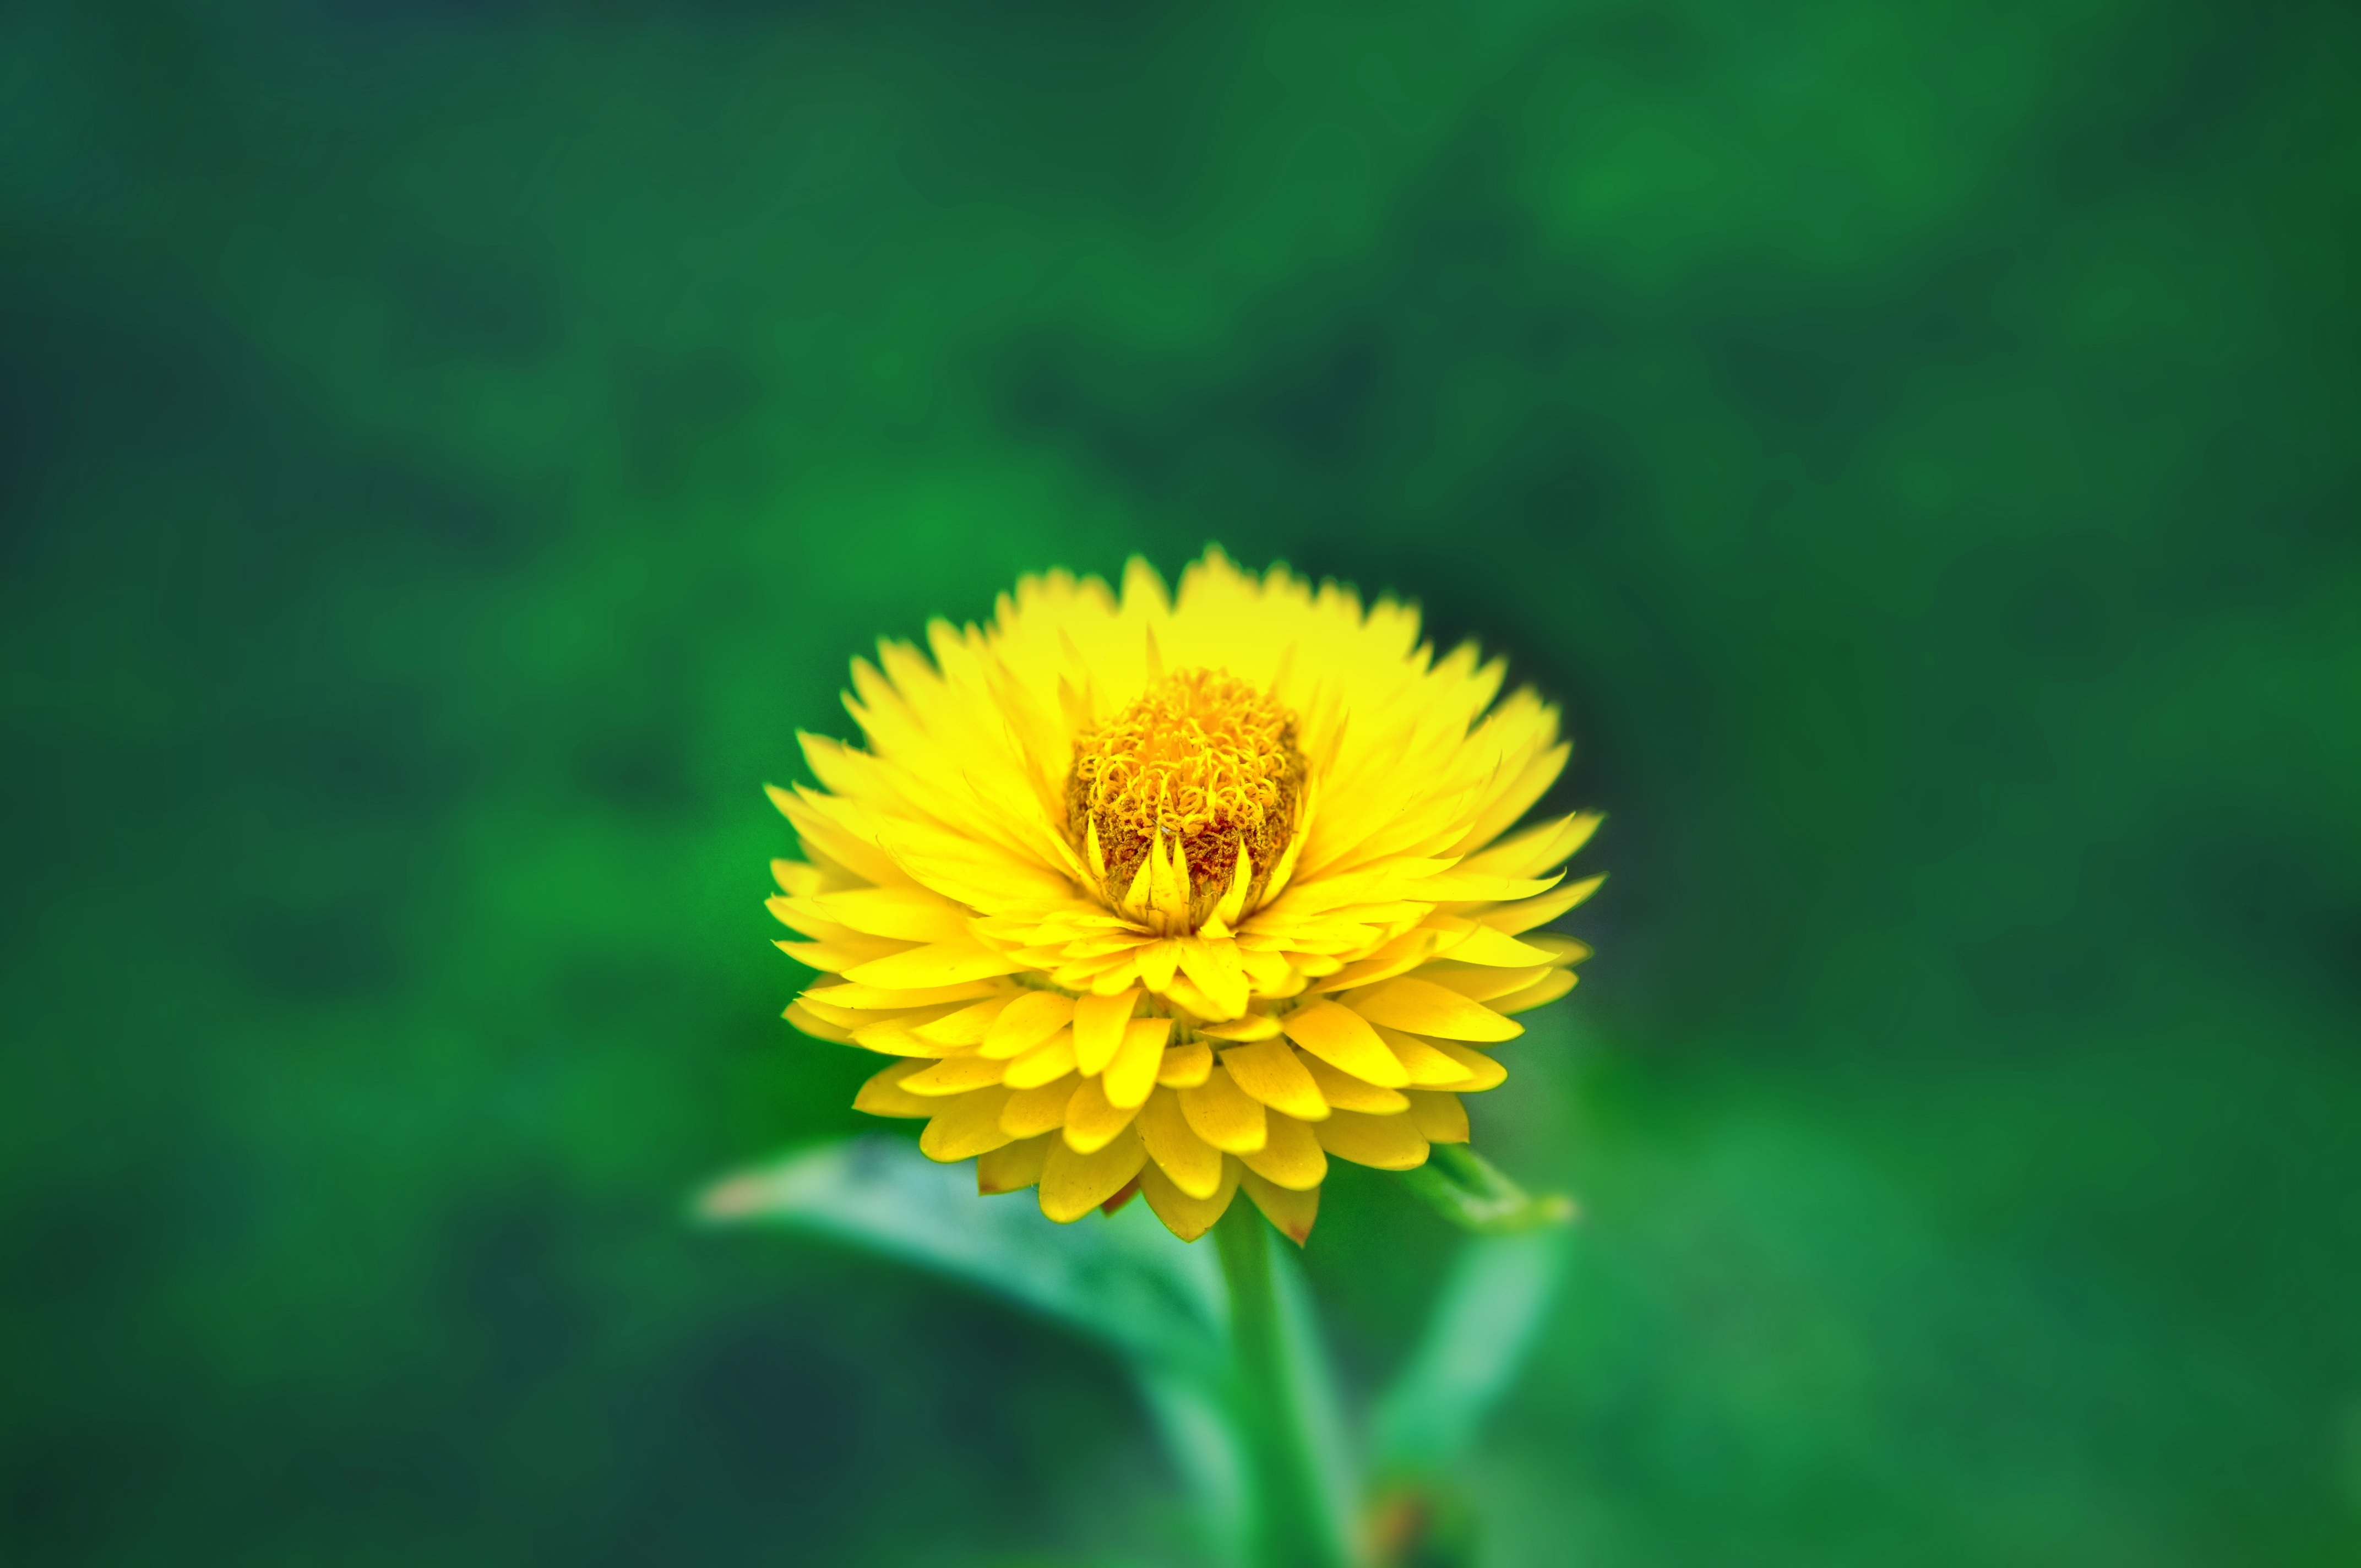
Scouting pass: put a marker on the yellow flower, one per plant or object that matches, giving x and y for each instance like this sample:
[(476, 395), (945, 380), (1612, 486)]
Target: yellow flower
[(1183, 895)]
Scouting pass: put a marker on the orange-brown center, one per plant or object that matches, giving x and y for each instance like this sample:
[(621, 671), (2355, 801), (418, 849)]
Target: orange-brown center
[(1202, 760)]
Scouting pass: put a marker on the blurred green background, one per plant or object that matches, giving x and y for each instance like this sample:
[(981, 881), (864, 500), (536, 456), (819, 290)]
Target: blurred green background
[(448, 450)]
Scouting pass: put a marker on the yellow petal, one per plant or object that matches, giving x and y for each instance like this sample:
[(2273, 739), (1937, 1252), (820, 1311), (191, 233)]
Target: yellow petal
[(905, 913), (1168, 894), (1183, 993), (1132, 1073), (1292, 1212), (1536, 850), (1309, 817), (859, 1019), (938, 963), (1428, 1066), (1344, 1092), (796, 878), (870, 996), (1215, 969), (1441, 1118), (1134, 902), (803, 1018), (1031, 1112), (1011, 1167), (1053, 1059), (1270, 1072), (1234, 902), (816, 820), (1073, 1183), (891, 1037), (956, 1075), (884, 1095), (966, 1028), (1144, 599), (1478, 1071), (1026, 1021), (965, 1127), (1524, 914), (1223, 1114), (1093, 852), (1518, 797), (1184, 1216), (1487, 945), (1253, 1026), (1460, 886), (1185, 1067), (1343, 1040), (1267, 972), (1291, 1156), (1422, 1007), (1483, 984), (901, 1043), (1158, 963), (1118, 975), (1091, 1122), (1401, 955), (1098, 1029), (1547, 989), (1155, 664), (1107, 944), (1561, 949), (846, 951), (1388, 1143), (1194, 1164)]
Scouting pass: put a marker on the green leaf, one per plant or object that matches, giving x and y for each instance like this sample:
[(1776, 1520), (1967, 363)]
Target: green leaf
[(1124, 1281), (1483, 1326), (1474, 1194)]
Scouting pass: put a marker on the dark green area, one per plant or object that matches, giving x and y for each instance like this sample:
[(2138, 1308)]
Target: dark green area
[(449, 450)]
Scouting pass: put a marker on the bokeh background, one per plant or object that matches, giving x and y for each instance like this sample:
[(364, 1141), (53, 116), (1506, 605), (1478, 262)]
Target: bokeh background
[(449, 450)]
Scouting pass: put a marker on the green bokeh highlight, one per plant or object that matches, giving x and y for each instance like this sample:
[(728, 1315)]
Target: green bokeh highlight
[(449, 451)]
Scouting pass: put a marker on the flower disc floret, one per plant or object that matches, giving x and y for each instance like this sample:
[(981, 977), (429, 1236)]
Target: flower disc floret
[(1203, 763)]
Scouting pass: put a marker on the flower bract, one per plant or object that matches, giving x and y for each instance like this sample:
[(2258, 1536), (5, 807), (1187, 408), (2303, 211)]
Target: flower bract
[(1180, 894)]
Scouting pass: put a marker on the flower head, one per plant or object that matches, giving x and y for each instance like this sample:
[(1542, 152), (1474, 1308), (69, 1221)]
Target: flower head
[(1180, 896)]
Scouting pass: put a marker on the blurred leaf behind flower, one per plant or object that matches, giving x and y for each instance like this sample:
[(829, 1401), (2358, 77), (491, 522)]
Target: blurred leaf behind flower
[(1125, 1282)]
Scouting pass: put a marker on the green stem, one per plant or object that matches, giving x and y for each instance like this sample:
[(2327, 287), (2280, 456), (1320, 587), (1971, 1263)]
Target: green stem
[(1286, 1529)]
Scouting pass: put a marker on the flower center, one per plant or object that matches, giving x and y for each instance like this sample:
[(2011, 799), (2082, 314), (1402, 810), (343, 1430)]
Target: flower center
[(1202, 766)]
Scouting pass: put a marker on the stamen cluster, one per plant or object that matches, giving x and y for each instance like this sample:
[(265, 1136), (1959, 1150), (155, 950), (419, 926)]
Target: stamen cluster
[(1202, 758)]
